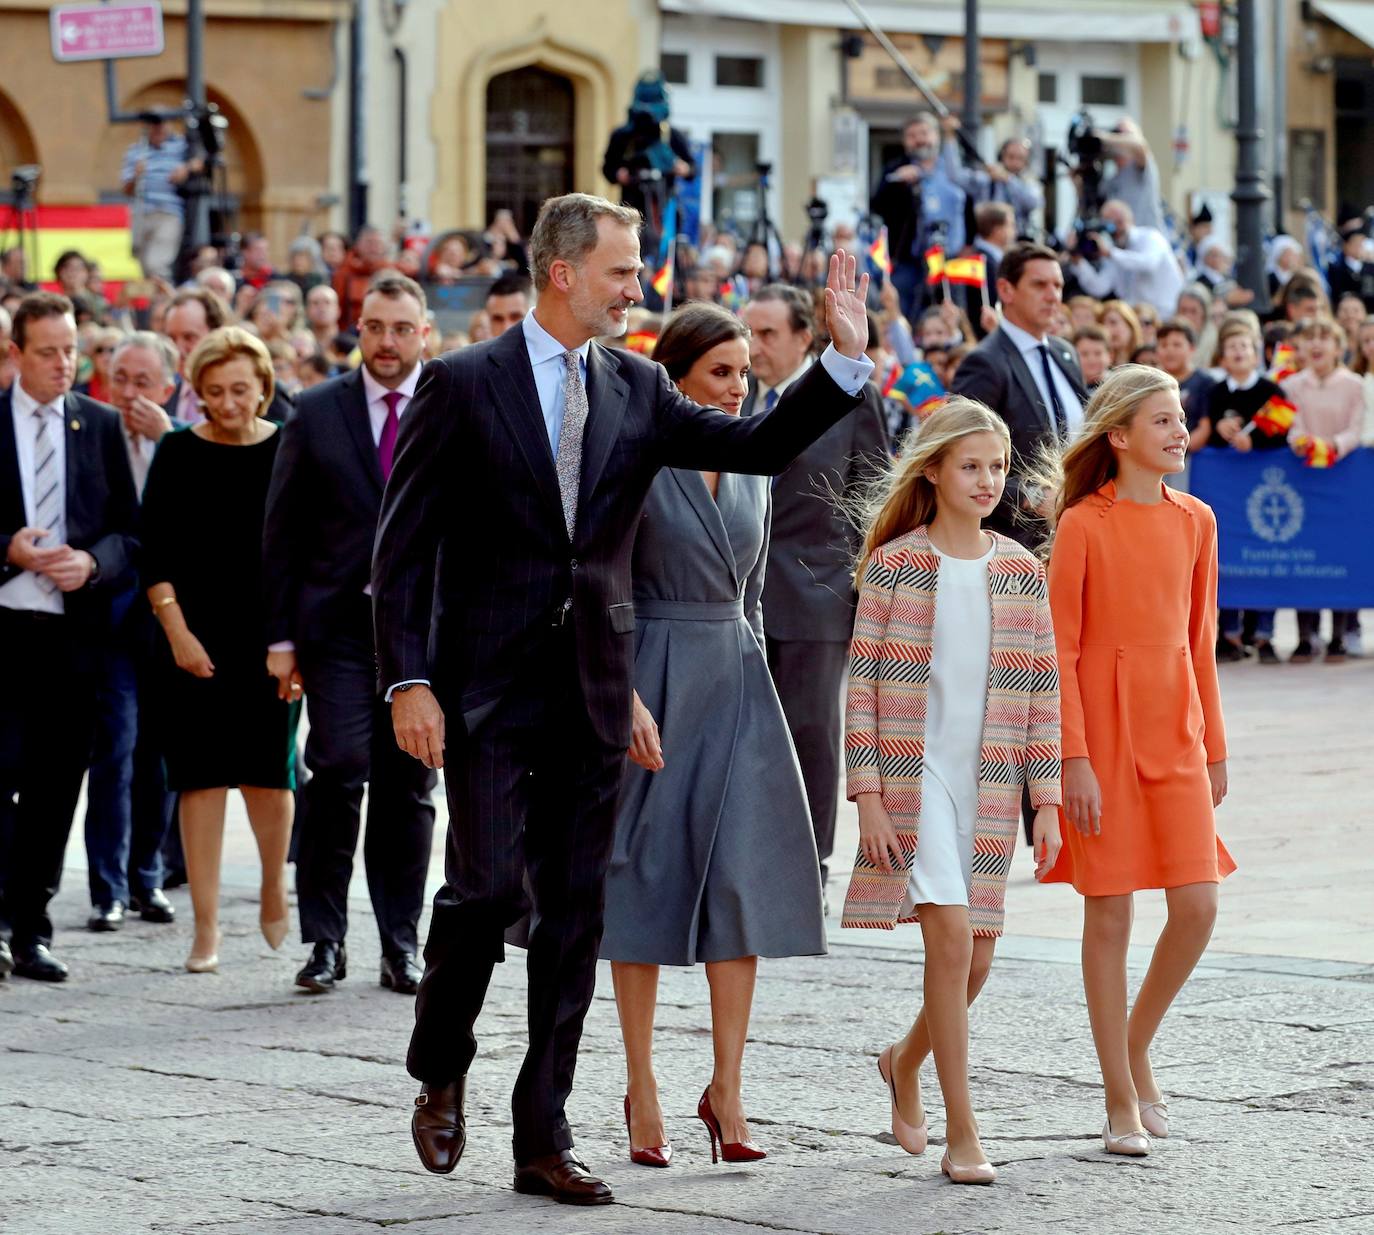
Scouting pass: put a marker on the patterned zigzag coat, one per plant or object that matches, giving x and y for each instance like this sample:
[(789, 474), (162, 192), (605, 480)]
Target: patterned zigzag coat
[(885, 717)]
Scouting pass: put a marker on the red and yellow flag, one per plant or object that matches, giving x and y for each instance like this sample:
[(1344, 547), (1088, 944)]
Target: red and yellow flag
[(878, 253), (663, 280), (1275, 418), (935, 264), (969, 271), (642, 341), (1316, 451), (99, 233)]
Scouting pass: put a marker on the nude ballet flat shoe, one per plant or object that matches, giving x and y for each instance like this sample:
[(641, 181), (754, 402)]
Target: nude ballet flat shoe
[(1154, 1116), (911, 1138), (203, 964), (1132, 1144), (983, 1173)]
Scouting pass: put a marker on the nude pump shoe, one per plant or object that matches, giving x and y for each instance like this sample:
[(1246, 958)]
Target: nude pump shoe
[(912, 1139), (982, 1173)]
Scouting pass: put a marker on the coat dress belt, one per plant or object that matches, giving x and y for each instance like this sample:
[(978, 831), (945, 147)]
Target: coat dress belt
[(690, 610)]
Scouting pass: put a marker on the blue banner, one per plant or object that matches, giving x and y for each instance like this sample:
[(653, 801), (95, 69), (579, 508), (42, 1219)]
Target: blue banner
[(1290, 536)]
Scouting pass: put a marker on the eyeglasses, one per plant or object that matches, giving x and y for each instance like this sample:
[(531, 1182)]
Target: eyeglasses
[(379, 330)]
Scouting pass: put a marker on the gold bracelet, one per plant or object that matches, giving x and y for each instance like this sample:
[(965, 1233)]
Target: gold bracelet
[(163, 602)]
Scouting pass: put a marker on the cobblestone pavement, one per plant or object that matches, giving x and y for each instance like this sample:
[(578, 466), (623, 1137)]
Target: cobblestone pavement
[(138, 1098)]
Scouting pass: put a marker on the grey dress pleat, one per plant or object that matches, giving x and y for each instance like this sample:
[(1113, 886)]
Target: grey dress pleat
[(714, 855)]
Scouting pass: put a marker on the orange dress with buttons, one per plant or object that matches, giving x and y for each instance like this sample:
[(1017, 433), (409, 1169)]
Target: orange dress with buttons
[(1133, 594)]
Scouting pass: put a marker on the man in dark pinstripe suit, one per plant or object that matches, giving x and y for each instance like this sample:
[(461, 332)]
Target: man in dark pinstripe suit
[(504, 623)]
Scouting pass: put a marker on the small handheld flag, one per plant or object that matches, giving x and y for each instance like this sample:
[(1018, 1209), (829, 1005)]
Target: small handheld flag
[(918, 388), (1275, 418), (969, 271), (935, 265), (1316, 451)]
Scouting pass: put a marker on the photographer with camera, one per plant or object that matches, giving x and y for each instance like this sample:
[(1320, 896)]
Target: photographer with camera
[(154, 169), (1136, 178), (1138, 263), (646, 156), (1004, 181), (921, 204)]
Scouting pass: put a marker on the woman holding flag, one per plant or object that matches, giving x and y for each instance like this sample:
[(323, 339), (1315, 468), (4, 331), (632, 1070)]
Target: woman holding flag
[(1245, 411)]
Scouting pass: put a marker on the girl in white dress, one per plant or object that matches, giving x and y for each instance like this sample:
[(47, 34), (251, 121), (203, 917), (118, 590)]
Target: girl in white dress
[(953, 702)]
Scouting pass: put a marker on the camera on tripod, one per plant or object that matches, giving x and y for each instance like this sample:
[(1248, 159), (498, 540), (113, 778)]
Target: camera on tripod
[(23, 181), (1087, 153)]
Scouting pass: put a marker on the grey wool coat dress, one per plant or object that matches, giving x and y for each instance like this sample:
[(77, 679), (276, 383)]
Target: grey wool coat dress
[(714, 856)]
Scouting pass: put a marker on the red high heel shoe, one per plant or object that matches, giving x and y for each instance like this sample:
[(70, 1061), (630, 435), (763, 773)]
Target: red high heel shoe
[(655, 1155), (731, 1151)]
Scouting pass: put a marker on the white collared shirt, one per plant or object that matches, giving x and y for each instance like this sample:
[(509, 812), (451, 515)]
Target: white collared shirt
[(140, 450), (1027, 344), (376, 395), (23, 592), (550, 374), (1232, 385), (761, 398)]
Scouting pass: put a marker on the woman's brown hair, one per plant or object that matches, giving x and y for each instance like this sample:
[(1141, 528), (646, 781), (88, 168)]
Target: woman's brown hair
[(1127, 315), (691, 332)]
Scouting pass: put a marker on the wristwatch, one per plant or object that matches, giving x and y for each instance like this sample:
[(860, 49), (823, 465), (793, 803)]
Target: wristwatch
[(94, 576)]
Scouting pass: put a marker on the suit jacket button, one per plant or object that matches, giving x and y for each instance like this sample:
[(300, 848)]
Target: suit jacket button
[(574, 563)]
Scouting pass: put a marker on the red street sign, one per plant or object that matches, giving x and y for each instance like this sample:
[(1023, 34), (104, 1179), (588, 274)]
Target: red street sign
[(106, 31)]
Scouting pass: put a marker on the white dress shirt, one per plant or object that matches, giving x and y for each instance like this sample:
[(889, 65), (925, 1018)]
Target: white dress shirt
[(1028, 345), (761, 395), (1144, 269), (140, 450), (23, 592)]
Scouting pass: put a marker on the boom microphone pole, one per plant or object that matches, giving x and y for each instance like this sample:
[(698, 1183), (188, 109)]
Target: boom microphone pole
[(932, 99)]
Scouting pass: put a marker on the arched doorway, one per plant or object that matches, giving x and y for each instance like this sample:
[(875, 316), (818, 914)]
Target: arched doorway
[(529, 141), (16, 142)]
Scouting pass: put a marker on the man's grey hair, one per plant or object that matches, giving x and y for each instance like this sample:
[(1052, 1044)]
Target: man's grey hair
[(216, 279), (566, 231), (161, 346)]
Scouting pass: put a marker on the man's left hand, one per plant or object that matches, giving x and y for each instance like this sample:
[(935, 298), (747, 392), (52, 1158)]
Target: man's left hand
[(846, 312)]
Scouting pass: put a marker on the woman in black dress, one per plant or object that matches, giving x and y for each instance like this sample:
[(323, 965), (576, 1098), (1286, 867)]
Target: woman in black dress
[(222, 720)]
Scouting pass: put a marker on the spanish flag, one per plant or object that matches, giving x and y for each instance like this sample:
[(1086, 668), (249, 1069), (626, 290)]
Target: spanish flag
[(663, 280), (642, 342), (970, 271), (878, 254), (935, 264), (99, 233), (1275, 418), (1317, 451)]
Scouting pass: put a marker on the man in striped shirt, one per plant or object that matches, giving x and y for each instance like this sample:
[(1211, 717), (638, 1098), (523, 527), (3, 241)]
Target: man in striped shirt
[(154, 168)]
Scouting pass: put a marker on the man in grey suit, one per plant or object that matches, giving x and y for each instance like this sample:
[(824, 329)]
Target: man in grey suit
[(808, 595), (1029, 377)]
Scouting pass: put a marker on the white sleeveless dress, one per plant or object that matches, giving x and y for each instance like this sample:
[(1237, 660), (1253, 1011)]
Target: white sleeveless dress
[(942, 869)]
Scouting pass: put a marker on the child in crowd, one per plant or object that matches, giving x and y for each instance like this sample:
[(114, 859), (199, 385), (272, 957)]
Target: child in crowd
[(1143, 741), (1094, 354), (953, 703), (1233, 406), (1123, 330), (1350, 313), (1176, 354), (1083, 311), (1328, 422)]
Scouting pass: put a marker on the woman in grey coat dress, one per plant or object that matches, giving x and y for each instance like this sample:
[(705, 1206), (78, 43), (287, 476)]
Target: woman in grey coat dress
[(714, 856)]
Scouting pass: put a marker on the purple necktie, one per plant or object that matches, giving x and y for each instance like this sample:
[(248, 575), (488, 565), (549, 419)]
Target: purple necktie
[(386, 446)]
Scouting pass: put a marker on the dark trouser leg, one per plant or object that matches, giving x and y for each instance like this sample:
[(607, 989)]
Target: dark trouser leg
[(153, 805), (47, 722), (341, 700), (568, 848), (109, 801), (1309, 623), (487, 778), (808, 677), (400, 832)]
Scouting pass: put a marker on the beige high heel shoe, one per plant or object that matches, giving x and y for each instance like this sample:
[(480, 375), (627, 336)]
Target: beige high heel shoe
[(206, 962), (275, 930), (910, 1137), (1132, 1144), (1154, 1116), (982, 1173)]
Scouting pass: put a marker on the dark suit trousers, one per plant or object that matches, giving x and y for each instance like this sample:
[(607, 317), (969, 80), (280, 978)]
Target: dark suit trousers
[(51, 673), (808, 677), (351, 744), (532, 791)]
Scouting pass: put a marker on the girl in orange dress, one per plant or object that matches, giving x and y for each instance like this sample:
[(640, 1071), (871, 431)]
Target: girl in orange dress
[(1133, 593)]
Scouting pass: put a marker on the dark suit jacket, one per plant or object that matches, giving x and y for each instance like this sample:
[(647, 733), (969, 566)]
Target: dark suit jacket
[(473, 567), (1341, 279), (102, 505), (994, 373), (808, 593), (322, 512)]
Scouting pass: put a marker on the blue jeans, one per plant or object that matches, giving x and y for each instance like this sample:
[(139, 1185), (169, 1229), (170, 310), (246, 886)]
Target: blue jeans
[(128, 808), (1233, 622)]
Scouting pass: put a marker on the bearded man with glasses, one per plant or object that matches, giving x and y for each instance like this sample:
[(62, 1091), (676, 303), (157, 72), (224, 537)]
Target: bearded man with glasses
[(336, 453)]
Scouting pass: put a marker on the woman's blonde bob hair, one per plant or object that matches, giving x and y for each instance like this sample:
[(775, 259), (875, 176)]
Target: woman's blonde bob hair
[(229, 343), (1089, 462), (903, 498)]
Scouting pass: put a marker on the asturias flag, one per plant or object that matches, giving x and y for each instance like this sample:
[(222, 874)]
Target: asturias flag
[(917, 387)]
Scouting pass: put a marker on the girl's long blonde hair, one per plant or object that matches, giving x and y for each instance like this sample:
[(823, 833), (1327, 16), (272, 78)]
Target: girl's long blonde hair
[(1090, 460), (903, 498)]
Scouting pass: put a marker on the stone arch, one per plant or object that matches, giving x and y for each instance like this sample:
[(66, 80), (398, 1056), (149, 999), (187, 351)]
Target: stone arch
[(242, 154), (17, 146), (595, 111)]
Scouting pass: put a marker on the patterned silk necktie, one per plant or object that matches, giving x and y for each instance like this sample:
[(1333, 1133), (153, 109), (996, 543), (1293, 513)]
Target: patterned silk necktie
[(568, 462), (47, 500)]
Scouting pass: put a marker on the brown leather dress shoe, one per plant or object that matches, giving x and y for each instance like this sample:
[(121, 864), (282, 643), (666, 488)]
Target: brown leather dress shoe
[(564, 1177), (438, 1127)]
